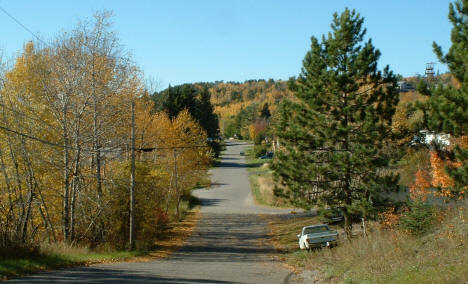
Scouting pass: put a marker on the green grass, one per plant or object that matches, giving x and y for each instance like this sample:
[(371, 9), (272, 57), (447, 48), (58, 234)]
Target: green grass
[(256, 190), (204, 182), (53, 258), (256, 171)]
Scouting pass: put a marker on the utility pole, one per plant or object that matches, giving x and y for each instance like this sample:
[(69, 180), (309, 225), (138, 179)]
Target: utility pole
[(132, 181), (176, 181)]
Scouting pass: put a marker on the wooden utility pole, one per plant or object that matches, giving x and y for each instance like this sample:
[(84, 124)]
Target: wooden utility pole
[(176, 187), (132, 182)]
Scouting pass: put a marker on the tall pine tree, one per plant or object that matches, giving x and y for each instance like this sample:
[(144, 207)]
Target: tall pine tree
[(265, 112), (447, 107), (334, 135), (206, 116)]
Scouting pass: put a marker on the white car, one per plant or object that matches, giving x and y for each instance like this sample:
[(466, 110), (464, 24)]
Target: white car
[(317, 236)]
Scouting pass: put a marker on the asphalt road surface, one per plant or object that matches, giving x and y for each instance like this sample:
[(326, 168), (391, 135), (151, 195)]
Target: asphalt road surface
[(228, 246)]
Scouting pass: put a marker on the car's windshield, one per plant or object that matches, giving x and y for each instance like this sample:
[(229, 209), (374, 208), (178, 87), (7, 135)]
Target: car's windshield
[(318, 229)]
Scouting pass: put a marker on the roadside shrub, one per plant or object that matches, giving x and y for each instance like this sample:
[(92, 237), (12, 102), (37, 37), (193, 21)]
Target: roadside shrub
[(259, 138), (419, 218), (260, 150), (14, 248), (216, 148)]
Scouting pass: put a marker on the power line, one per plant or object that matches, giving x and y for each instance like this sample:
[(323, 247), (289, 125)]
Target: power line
[(55, 144), (63, 146), (23, 26), (27, 116), (38, 38), (31, 137)]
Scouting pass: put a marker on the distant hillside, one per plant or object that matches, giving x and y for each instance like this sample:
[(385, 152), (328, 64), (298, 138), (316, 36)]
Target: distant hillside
[(238, 105)]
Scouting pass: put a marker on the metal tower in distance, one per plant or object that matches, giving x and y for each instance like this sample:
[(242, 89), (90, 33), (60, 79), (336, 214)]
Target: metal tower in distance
[(430, 71)]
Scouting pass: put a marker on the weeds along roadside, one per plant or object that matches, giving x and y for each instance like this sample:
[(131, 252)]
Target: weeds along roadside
[(27, 259), (386, 254), (261, 180)]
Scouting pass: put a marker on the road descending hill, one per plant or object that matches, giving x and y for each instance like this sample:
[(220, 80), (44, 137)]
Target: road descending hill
[(228, 246)]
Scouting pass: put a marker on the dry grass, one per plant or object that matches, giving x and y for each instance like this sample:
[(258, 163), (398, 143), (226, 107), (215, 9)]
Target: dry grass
[(283, 236), (283, 232), (175, 236), (262, 183), (59, 255), (386, 256), (266, 185), (410, 97), (63, 249)]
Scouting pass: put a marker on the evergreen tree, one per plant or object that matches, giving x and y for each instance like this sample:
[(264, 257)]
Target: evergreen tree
[(178, 98), (169, 103), (206, 116), (334, 135), (173, 100), (447, 107), (265, 112)]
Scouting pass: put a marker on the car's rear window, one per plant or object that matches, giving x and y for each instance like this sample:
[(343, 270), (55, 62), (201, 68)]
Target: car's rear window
[(312, 230)]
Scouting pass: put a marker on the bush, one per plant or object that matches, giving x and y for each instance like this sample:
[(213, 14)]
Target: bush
[(260, 150), (11, 247), (259, 138), (419, 218), (215, 147)]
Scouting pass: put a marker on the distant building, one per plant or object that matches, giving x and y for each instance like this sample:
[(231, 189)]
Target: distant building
[(428, 138), (405, 86)]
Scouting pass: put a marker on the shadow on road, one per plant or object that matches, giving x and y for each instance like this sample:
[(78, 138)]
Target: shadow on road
[(227, 158), (237, 165), (210, 201), (229, 245), (227, 238), (101, 275), (214, 184), (221, 254)]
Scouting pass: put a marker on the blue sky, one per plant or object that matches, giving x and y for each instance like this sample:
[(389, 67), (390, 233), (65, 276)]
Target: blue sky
[(178, 41)]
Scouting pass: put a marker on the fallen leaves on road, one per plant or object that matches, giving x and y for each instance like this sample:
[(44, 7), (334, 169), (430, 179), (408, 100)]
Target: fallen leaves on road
[(176, 235)]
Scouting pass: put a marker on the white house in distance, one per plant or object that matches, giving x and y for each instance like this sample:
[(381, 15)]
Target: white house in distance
[(428, 138)]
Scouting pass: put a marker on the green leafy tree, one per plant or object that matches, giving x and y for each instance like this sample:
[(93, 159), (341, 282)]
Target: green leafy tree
[(334, 134), (230, 127), (446, 110)]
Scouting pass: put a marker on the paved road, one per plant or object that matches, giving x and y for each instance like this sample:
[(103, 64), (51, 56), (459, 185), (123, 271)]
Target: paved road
[(228, 245)]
